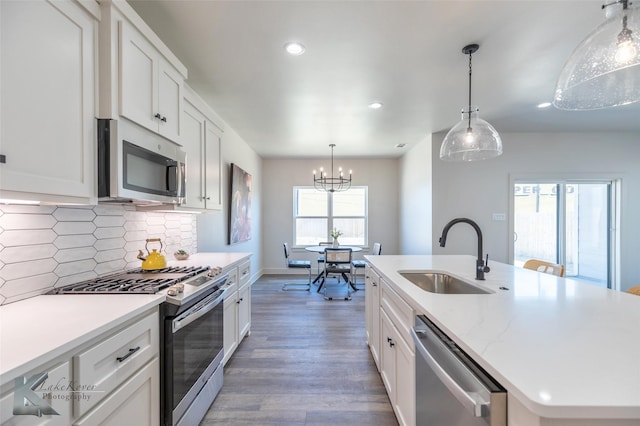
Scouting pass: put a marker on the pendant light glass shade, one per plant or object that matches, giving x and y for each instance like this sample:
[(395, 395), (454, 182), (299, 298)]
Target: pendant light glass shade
[(604, 70), (471, 140)]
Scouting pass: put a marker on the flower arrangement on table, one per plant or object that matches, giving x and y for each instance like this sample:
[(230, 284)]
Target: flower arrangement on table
[(335, 233)]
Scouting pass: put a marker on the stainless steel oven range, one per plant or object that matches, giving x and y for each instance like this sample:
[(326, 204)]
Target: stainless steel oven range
[(191, 330)]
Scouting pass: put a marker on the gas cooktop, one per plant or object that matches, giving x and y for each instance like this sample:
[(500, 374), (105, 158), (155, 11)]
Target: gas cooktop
[(135, 281)]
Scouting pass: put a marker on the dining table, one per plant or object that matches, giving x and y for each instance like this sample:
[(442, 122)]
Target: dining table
[(320, 249)]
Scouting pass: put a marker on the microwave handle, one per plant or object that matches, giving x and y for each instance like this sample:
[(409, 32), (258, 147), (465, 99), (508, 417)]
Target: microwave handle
[(172, 176)]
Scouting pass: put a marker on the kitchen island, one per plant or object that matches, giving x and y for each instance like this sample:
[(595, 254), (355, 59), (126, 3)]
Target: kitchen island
[(567, 352)]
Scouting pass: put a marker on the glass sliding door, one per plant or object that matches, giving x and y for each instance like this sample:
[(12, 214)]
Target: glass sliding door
[(535, 222), (587, 231), (566, 222)]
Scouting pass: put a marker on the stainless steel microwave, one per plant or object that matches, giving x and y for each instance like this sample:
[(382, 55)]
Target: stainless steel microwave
[(138, 166)]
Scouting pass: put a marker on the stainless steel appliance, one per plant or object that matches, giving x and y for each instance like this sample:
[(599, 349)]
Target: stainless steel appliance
[(191, 330), (139, 166), (451, 389), (193, 351)]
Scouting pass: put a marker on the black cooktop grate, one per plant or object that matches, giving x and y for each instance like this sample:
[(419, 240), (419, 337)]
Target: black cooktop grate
[(134, 281)]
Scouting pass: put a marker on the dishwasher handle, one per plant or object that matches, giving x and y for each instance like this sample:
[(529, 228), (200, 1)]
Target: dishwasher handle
[(469, 400)]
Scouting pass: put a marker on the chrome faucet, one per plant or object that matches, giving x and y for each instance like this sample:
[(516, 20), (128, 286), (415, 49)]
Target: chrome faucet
[(481, 266)]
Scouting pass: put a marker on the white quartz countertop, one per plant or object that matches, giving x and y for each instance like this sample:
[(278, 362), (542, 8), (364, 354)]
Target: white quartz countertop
[(563, 348), (39, 329)]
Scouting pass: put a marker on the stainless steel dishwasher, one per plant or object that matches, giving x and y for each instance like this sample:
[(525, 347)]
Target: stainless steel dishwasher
[(451, 389)]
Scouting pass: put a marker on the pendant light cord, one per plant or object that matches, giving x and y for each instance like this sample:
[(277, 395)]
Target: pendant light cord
[(469, 111)]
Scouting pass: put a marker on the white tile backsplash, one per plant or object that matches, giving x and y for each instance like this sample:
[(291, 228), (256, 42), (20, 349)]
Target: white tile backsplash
[(42, 247)]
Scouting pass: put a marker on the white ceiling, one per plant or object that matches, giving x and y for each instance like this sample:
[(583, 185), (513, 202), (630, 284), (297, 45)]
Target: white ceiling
[(406, 54)]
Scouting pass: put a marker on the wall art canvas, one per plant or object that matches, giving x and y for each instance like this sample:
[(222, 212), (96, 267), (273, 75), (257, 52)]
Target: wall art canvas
[(239, 205)]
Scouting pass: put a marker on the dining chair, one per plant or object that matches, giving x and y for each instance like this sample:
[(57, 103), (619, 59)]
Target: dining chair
[(545, 267), (337, 262), (296, 264), (321, 256), (359, 264), (634, 290)]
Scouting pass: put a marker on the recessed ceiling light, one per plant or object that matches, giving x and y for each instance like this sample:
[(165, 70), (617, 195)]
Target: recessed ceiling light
[(375, 105), (544, 105), (294, 48)]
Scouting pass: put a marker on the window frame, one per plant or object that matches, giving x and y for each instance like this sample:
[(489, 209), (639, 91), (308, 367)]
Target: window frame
[(330, 217)]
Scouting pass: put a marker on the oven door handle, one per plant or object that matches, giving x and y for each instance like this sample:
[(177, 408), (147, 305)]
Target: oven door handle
[(198, 310)]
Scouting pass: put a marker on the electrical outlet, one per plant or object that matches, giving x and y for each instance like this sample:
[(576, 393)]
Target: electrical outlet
[(499, 216)]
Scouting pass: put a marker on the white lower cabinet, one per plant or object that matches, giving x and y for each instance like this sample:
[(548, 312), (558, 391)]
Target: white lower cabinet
[(244, 300), (55, 375), (115, 358), (397, 354), (372, 312), (112, 380), (135, 402), (231, 316), (237, 308)]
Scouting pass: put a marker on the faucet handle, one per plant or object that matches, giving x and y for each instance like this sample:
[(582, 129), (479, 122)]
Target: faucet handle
[(486, 265)]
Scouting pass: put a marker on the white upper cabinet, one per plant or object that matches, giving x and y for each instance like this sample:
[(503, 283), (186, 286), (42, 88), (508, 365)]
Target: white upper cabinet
[(48, 105), (150, 87), (202, 141)]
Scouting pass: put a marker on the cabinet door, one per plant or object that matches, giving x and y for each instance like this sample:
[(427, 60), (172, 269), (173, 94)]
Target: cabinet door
[(59, 400), (47, 108), (230, 325), (136, 402), (138, 78), (405, 383), (244, 311), (193, 142), (372, 306), (388, 356), (115, 358), (170, 88), (213, 166)]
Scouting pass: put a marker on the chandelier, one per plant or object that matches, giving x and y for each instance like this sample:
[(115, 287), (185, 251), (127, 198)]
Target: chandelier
[(331, 183)]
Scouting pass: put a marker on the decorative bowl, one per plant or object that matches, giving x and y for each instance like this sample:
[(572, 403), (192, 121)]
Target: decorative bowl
[(181, 256)]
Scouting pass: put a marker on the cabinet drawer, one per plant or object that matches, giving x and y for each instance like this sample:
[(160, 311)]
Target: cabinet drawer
[(400, 313), (232, 282), (245, 273), (109, 363)]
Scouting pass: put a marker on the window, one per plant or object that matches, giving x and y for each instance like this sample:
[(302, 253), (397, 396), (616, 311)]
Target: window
[(316, 213), (569, 222)]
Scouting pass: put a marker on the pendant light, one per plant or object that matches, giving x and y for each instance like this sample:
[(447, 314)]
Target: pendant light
[(331, 183), (472, 138), (604, 70)]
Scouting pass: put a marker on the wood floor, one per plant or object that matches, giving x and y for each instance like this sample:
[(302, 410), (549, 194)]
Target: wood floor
[(306, 362)]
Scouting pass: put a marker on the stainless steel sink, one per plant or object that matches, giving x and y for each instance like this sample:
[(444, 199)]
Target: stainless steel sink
[(436, 282)]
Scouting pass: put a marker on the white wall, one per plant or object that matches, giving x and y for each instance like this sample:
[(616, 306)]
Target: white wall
[(416, 199), (476, 190), (281, 175), (213, 227)]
